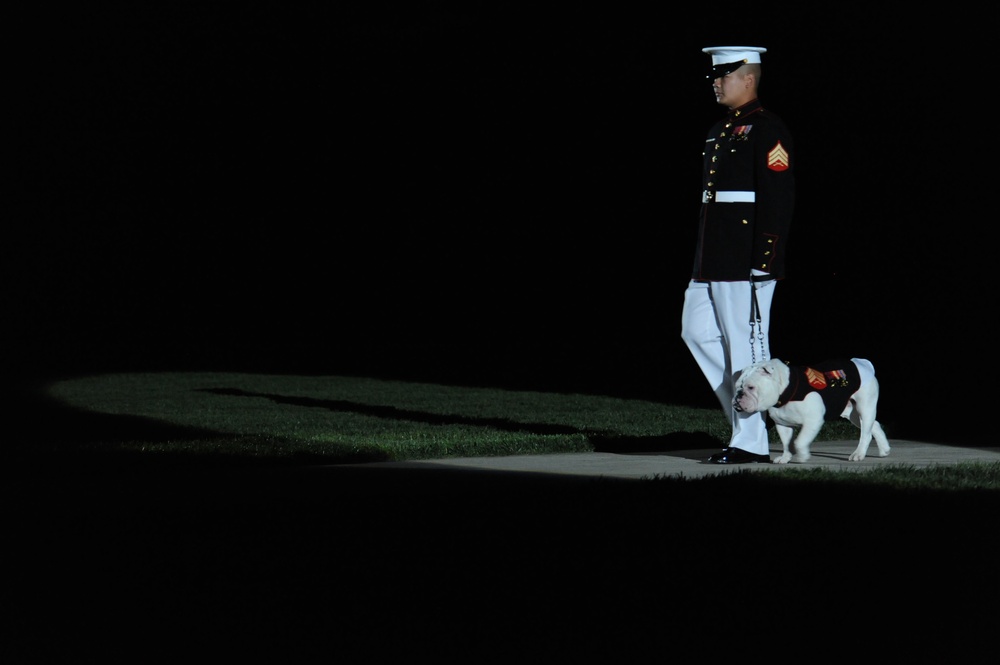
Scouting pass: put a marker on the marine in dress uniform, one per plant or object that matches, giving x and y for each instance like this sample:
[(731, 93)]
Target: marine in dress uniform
[(748, 199)]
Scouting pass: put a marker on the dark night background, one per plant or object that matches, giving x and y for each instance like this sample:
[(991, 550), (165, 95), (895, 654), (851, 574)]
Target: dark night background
[(480, 193), (500, 194)]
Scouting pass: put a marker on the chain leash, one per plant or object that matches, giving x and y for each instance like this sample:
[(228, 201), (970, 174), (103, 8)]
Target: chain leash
[(755, 322)]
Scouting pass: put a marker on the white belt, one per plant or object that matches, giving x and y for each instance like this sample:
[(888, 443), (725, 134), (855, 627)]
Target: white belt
[(729, 197)]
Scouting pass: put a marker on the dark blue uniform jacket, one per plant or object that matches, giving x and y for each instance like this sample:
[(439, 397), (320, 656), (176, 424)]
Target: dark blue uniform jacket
[(750, 150)]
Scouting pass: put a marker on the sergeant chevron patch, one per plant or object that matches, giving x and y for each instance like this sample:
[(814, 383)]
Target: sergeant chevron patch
[(777, 158), (815, 378)]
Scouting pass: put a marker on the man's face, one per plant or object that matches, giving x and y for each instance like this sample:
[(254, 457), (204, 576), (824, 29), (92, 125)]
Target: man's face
[(731, 90)]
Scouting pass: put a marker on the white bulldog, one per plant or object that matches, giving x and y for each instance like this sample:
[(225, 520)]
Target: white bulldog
[(805, 397)]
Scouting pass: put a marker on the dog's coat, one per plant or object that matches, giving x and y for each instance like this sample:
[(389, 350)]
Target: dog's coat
[(805, 397)]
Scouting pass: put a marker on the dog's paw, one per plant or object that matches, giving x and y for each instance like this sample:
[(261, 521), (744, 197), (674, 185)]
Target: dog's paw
[(783, 459), (857, 456), (802, 458)]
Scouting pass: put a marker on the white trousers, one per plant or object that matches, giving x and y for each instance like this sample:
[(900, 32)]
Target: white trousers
[(715, 325)]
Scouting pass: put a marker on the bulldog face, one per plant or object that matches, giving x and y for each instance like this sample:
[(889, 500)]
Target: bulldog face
[(759, 386)]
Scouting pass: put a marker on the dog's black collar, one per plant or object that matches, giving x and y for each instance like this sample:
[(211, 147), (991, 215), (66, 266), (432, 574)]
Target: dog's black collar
[(793, 386)]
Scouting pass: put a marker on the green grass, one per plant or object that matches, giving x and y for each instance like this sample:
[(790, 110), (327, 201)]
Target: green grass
[(337, 419), (263, 418)]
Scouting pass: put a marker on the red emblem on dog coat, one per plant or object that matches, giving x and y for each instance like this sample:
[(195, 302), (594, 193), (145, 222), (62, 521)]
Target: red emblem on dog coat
[(815, 378)]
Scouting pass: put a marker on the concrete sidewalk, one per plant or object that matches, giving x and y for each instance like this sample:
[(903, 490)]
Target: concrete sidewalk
[(693, 463)]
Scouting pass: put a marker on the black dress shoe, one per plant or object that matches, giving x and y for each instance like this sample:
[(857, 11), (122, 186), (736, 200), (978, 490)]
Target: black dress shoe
[(737, 456)]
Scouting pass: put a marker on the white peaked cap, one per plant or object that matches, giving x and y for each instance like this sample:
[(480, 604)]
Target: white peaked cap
[(723, 55), (727, 59)]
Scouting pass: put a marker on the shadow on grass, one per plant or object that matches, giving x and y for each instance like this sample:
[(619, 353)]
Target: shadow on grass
[(393, 413), (51, 432)]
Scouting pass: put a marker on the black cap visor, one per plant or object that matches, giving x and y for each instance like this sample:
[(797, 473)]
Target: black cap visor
[(718, 71)]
